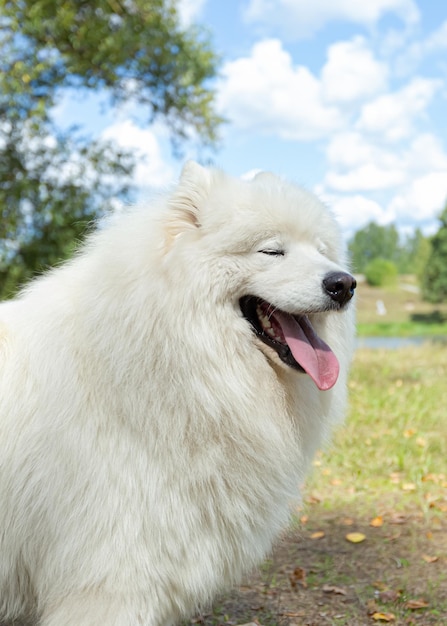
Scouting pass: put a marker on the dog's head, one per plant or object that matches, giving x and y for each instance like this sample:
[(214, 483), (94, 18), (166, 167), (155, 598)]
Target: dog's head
[(274, 251)]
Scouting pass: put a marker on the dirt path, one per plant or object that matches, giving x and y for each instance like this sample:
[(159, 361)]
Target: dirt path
[(316, 577)]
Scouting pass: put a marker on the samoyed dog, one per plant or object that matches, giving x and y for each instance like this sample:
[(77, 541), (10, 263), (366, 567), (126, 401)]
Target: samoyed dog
[(161, 396)]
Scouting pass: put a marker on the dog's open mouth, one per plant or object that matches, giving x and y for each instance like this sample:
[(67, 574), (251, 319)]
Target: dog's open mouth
[(294, 339)]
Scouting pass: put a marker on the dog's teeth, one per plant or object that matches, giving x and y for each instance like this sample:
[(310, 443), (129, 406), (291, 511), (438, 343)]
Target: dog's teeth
[(263, 318), (266, 324)]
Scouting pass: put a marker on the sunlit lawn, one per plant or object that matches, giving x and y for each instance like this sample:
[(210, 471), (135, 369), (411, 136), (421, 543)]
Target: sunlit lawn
[(382, 480), (393, 447), (405, 314)]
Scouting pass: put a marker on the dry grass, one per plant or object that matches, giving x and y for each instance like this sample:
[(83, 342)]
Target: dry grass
[(386, 467), (406, 313)]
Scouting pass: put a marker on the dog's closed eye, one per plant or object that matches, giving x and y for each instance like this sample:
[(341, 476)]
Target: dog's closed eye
[(272, 252)]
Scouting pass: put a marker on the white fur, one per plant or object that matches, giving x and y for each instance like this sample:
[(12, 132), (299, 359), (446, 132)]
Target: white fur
[(150, 446)]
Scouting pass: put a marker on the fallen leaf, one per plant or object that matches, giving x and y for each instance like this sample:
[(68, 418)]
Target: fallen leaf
[(347, 521), (430, 559), (355, 537), (313, 499), (413, 605), (319, 534), (389, 595), (409, 433), (304, 519), (334, 589), (379, 584), (431, 477), (398, 518), (371, 607), (298, 576), (383, 617), (409, 487), (376, 522)]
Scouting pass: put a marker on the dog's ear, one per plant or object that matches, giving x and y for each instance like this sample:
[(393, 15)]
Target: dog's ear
[(265, 176), (187, 199)]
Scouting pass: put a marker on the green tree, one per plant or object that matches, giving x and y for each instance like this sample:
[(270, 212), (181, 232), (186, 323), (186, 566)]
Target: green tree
[(373, 242), (52, 184), (408, 253), (434, 278), (415, 254), (381, 273)]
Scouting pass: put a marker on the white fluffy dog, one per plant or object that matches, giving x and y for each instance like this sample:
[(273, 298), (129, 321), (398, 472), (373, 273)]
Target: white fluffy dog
[(161, 396)]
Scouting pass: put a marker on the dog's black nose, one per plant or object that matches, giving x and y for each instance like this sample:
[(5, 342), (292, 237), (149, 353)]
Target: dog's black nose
[(340, 286)]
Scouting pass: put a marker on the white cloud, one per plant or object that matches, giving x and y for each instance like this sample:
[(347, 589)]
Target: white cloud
[(391, 116), (423, 199), (380, 167), (301, 18), (368, 177), (356, 164), (267, 93), (355, 211), (189, 10), (151, 170), (410, 57), (437, 41), (349, 150), (352, 73), (425, 153), (413, 175)]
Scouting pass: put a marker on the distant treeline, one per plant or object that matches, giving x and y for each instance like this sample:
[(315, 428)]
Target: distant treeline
[(409, 254), (381, 253)]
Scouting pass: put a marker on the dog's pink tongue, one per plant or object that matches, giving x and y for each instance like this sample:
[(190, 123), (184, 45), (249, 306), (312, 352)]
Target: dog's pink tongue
[(311, 352)]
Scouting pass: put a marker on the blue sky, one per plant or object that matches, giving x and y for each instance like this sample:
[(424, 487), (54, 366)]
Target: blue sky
[(347, 98)]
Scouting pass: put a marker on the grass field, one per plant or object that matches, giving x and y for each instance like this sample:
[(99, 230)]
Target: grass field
[(385, 476), (396, 432), (383, 480), (405, 312)]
